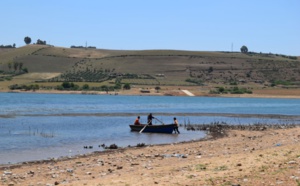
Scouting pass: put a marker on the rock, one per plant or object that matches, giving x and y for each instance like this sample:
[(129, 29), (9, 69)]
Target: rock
[(239, 164), (11, 184), (184, 156), (292, 162), (7, 173), (56, 183)]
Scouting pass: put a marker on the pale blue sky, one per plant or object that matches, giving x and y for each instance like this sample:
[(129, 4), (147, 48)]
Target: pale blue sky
[(200, 25)]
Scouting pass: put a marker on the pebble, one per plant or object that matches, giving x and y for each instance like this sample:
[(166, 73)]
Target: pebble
[(292, 162)]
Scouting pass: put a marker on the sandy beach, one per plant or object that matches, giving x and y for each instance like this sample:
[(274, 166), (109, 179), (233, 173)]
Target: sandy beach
[(267, 157)]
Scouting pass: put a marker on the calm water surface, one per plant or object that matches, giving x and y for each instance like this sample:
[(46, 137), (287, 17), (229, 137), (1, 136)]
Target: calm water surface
[(41, 126)]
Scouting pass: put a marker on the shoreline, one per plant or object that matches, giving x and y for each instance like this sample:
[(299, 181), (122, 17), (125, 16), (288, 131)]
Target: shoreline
[(268, 116), (261, 157), (135, 92), (237, 157)]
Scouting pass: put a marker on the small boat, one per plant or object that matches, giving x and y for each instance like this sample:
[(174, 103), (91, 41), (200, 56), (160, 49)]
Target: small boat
[(168, 128)]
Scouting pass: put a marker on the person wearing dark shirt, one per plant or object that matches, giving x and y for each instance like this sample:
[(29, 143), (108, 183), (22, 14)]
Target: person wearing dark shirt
[(149, 119)]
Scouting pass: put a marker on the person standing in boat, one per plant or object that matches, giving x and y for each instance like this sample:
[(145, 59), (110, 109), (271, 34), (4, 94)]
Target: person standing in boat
[(176, 126), (137, 121), (149, 119)]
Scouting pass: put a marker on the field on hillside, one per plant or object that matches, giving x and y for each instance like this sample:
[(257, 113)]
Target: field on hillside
[(149, 67), (11, 55)]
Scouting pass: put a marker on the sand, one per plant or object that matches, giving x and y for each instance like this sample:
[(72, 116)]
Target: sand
[(270, 157)]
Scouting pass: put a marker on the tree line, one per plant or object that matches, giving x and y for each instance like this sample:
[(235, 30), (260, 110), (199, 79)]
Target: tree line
[(27, 40), (8, 46), (91, 47)]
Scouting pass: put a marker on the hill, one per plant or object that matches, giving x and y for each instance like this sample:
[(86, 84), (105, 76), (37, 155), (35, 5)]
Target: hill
[(50, 66)]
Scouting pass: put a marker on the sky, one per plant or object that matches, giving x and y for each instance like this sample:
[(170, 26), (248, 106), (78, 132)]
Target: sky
[(196, 25)]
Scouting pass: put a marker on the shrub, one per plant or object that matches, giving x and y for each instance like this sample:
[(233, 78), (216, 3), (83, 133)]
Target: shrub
[(221, 89), (196, 81), (126, 86), (234, 90), (85, 87)]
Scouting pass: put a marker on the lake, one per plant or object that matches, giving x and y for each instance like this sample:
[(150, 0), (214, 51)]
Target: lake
[(41, 126)]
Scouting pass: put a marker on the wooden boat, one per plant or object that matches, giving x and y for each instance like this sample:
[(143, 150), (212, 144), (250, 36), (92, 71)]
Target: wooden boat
[(168, 128)]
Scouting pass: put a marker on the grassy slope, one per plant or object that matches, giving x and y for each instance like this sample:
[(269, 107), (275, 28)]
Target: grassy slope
[(177, 66), (10, 55)]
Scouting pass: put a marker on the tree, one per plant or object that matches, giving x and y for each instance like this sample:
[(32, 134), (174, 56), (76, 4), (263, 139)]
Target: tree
[(221, 89), (66, 85), (20, 66), (157, 89), (9, 66), (85, 87), (244, 49), (16, 64), (126, 86), (27, 40), (40, 42)]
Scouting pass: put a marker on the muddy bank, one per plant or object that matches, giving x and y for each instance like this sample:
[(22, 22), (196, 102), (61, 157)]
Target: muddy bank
[(240, 157)]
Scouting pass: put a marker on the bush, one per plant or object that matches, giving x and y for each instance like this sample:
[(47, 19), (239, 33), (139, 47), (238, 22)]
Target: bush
[(196, 81), (234, 90), (24, 87), (25, 70), (68, 86), (221, 89), (85, 87), (126, 86)]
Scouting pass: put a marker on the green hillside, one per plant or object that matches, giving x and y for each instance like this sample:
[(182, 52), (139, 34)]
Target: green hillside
[(48, 64)]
